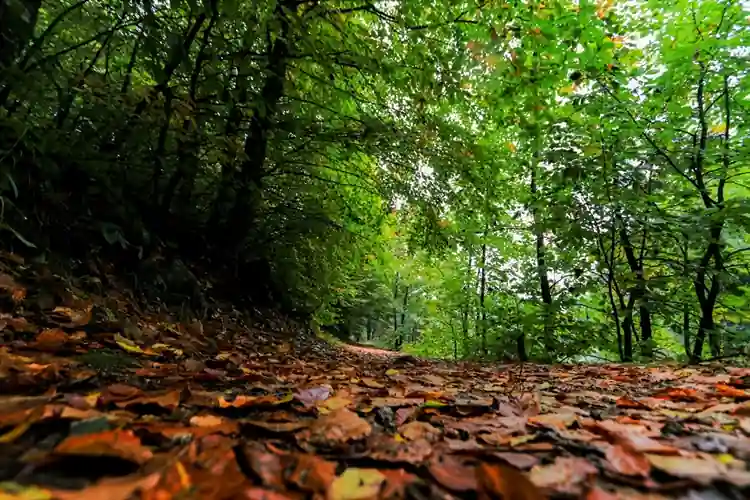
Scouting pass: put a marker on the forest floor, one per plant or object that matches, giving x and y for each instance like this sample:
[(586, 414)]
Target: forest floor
[(152, 408)]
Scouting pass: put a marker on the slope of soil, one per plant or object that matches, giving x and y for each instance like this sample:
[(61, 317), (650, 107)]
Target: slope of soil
[(156, 409)]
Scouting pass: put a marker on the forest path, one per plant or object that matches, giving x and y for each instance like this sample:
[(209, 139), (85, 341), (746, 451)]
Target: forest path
[(371, 350), (220, 410)]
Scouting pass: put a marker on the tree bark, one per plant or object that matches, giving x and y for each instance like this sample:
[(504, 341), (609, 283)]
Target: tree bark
[(242, 215)]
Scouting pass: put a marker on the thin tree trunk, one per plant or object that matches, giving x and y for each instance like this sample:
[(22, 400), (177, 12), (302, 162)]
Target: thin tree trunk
[(638, 292), (482, 293), (541, 262), (521, 338), (395, 312)]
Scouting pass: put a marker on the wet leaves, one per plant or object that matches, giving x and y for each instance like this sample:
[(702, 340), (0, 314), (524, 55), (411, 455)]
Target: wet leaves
[(262, 417), (118, 443)]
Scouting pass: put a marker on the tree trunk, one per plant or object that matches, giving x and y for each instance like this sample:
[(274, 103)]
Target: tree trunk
[(541, 263), (395, 313), (404, 305), (627, 330), (482, 292), (638, 292), (17, 22), (242, 216), (707, 297)]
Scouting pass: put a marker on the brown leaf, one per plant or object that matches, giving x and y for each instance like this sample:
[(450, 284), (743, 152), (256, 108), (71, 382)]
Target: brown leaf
[(117, 443), (311, 473), (279, 427), (389, 449), (65, 316), (335, 429), (627, 462), (419, 430), (521, 461), (51, 339), (371, 383), (119, 392), (168, 400), (565, 475), (553, 420), (9, 285), (453, 474)]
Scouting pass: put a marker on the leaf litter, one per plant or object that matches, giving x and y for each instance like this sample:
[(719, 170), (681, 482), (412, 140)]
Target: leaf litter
[(91, 409)]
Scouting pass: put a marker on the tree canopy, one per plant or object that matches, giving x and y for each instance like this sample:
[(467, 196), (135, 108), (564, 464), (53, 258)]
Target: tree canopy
[(506, 179)]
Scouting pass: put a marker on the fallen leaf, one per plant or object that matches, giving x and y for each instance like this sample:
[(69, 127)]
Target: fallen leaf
[(277, 426), (243, 401), (356, 484), (700, 470), (565, 475), (128, 345), (51, 338), (311, 473), (500, 481), (336, 428), (419, 430), (118, 443), (30, 419), (333, 404), (15, 491), (453, 474), (371, 383), (71, 318), (313, 395), (627, 462), (110, 489), (169, 400), (521, 461), (553, 420)]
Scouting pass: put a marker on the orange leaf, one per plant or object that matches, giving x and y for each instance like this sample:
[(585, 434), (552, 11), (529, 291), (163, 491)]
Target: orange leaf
[(117, 443), (731, 392), (499, 481), (51, 338)]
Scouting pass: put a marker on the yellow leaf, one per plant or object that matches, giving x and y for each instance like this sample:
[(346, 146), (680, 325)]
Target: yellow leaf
[(127, 344), (391, 372), (356, 484), (15, 491), (512, 147), (21, 428), (333, 404), (718, 129)]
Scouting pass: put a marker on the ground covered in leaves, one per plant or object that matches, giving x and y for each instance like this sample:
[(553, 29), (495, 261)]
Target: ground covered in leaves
[(102, 400)]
